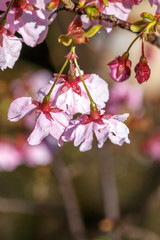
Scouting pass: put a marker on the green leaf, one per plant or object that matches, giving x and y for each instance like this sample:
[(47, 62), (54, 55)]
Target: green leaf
[(65, 40), (92, 31), (139, 26), (151, 27), (147, 15)]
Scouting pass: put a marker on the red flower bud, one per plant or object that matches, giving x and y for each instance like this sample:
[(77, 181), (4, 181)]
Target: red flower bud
[(142, 70), (120, 68)]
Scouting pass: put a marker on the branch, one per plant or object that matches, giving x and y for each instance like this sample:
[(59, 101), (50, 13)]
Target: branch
[(152, 38)]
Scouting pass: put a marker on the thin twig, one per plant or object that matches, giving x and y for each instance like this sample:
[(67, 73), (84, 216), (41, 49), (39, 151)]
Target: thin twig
[(152, 38)]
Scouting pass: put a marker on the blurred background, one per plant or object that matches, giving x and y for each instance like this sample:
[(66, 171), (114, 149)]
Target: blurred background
[(48, 192)]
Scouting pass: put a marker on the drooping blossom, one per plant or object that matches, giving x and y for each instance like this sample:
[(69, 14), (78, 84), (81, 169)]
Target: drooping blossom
[(125, 96), (28, 85), (104, 126), (70, 95), (29, 18), (142, 70), (10, 47), (151, 146), (50, 120), (120, 68)]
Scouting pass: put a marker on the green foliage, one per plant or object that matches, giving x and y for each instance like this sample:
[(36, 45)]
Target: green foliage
[(92, 31), (139, 26)]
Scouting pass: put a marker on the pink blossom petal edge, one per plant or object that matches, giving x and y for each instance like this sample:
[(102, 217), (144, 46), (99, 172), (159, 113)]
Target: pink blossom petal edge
[(19, 108), (10, 51)]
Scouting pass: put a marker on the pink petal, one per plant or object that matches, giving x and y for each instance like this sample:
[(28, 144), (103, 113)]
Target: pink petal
[(101, 132), (19, 108), (42, 129), (60, 122), (118, 132), (10, 51), (87, 143)]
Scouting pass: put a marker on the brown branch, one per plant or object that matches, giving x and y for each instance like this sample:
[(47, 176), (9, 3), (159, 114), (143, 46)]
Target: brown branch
[(152, 38)]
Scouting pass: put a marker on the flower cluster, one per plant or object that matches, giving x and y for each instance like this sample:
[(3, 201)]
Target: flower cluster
[(29, 18), (57, 104), (65, 96)]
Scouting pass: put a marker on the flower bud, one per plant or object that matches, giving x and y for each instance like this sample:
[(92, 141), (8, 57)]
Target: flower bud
[(142, 70), (120, 68)]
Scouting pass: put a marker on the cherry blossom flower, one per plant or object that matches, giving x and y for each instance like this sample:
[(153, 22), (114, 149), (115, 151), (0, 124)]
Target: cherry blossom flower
[(70, 95), (120, 68), (142, 70), (50, 120), (10, 47), (80, 131), (29, 18)]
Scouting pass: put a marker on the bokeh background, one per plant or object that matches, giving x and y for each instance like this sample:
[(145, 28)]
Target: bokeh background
[(40, 190)]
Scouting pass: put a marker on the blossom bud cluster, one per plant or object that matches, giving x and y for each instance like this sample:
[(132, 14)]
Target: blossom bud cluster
[(121, 69)]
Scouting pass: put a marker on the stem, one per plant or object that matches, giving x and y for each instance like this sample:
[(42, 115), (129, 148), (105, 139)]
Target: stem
[(93, 104), (133, 42), (5, 15), (47, 97), (142, 47), (70, 200)]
